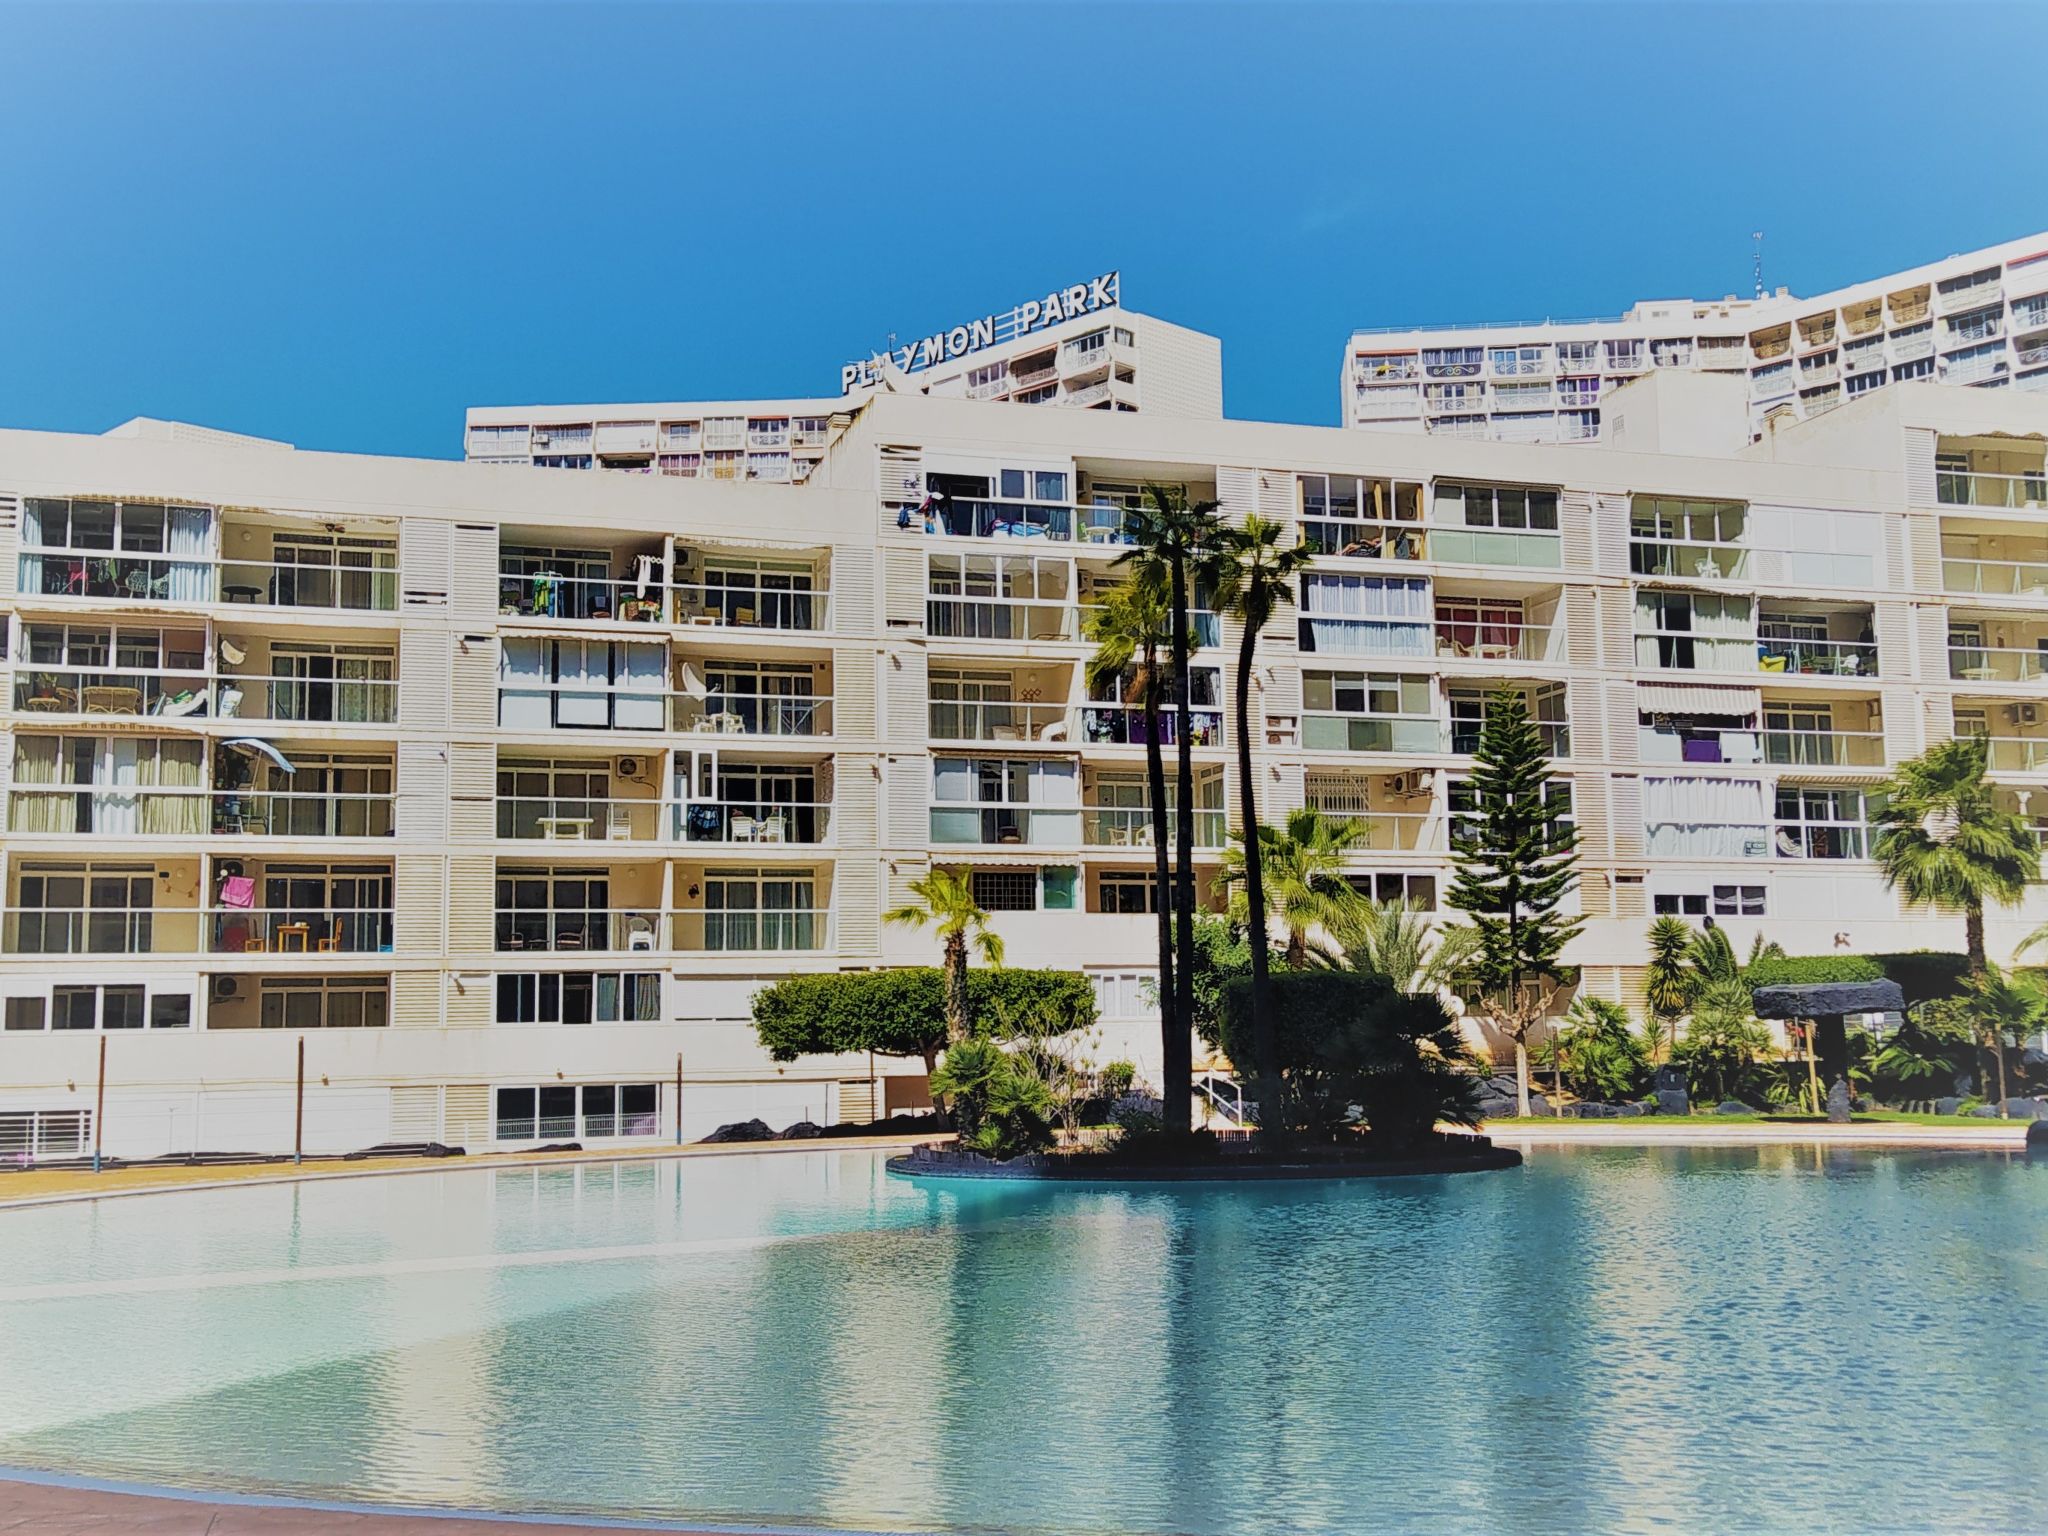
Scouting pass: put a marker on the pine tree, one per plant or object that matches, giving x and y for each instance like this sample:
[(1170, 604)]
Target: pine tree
[(1513, 861)]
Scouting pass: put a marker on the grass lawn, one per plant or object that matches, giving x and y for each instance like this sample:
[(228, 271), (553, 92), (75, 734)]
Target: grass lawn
[(1878, 1117)]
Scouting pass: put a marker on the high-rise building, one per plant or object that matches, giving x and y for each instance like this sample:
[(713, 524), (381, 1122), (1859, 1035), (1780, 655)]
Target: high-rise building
[(505, 791), (1979, 319)]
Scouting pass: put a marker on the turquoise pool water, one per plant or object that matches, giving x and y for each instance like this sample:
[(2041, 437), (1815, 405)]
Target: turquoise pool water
[(1776, 1339)]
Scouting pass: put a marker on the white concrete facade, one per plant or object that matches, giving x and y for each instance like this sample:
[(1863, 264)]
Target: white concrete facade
[(505, 790), (1980, 318)]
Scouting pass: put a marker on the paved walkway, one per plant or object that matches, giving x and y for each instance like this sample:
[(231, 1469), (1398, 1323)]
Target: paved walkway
[(2006, 1135), (39, 1509)]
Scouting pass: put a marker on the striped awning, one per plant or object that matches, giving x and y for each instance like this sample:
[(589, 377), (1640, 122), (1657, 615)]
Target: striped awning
[(1697, 699)]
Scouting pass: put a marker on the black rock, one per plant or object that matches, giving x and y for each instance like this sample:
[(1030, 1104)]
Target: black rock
[(1733, 1107), (2027, 1109), (803, 1130), (1589, 1110), (742, 1130), (1985, 1112), (1948, 1106), (2037, 1134), (1672, 1101), (1838, 1103), (2033, 1058), (1669, 1079)]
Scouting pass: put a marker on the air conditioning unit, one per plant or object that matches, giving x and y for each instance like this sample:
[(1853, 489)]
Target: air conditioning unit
[(540, 439), (225, 987), (629, 767), (2029, 714)]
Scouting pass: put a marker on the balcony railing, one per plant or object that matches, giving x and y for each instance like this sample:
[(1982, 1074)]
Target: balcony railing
[(1697, 561), (1965, 488), (1556, 736), (988, 519), (1954, 300), (1123, 725), (1974, 370), (1388, 831), (1492, 546), (579, 819), (1131, 827), (1332, 731), (97, 691), (1361, 540), (969, 823), (1521, 367), (1910, 349), (1091, 394), (1398, 401), (2002, 578), (602, 929), (1831, 658), (1824, 749), (750, 607), (636, 602), (771, 931), (988, 389), (548, 595), (116, 576), (752, 714), (319, 701), (300, 813), (1000, 618), (361, 581), (1490, 640), (1205, 627), (1035, 377), (299, 931), (102, 930), (998, 720), (2017, 754), (1995, 664)]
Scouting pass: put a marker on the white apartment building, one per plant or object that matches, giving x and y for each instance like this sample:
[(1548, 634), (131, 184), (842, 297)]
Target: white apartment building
[(1979, 319), (1076, 347), (503, 792)]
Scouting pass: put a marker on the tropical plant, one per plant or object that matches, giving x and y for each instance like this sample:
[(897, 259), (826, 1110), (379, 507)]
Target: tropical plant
[(1597, 1052), (1668, 980), (2000, 1009), (902, 1012), (1303, 865), (1724, 1049), (946, 903), (1130, 630), (1512, 867), (1223, 953), (1352, 1048), (1002, 1107), (1924, 1051), (1944, 840), (1252, 577), (1393, 940), (1176, 538)]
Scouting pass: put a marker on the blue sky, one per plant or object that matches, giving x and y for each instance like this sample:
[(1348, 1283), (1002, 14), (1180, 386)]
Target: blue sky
[(339, 224)]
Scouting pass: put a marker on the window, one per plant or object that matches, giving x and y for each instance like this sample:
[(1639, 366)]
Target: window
[(27, 1013), (569, 909), (996, 597), (600, 685), (1369, 712), (139, 551), (325, 1002), (568, 1112), (1348, 615), (1672, 537), (1392, 887), (1005, 800), (1126, 994), (1127, 891), (1495, 525), (1365, 518), (579, 997), (1707, 818), (79, 1007), (1032, 485), (1006, 890), (759, 909), (1694, 631), (1719, 901), (105, 909), (109, 785), (1818, 823)]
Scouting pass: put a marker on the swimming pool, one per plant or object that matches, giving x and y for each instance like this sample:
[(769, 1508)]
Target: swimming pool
[(1755, 1339)]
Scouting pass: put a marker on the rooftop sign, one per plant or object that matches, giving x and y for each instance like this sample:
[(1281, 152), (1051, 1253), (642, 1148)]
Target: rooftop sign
[(990, 330)]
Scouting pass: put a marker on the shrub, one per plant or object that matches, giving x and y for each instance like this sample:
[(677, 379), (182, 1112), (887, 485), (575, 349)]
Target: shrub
[(1926, 974), (1807, 970), (1352, 1047), (1598, 1051), (1115, 1079), (1724, 1050), (1001, 1106), (903, 1012)]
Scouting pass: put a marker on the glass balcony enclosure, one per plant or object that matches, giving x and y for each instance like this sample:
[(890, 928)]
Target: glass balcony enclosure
[(1698, 540), (1369, 712), (1475, 524), (1005, 800)]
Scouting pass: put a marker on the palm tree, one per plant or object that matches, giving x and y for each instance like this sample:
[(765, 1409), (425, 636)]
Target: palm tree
[(1176, 538), (1944, 840), (946, 901), (1998, 1007), (1393, 940), (1129, 630), (1667, 981), (1304, 886), (1254, 575)]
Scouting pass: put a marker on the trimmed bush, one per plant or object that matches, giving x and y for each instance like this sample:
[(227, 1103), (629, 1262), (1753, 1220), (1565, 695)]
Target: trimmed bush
[(1925, 974), (1810, 970), (903, 1012)]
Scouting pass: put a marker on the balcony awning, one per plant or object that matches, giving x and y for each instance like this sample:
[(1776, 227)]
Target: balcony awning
[(262, 748), (1698, 699)]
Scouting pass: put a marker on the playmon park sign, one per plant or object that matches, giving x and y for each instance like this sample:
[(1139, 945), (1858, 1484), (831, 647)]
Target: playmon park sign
[(990, 330)]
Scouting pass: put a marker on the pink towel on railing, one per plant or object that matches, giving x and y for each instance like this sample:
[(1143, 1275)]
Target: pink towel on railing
[(238, 891)]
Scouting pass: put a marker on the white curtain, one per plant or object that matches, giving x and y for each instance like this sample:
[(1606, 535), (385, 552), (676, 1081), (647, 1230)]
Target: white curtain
[(38, 760), (31, 536), (174, 765), (583, 683), (1367, 615), (1705, 818), (113, 800), (643, 683), (188, 538), (1724, 634), (523, 685)]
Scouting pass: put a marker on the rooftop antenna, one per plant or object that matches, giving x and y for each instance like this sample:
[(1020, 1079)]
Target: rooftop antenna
[(1758, 263)]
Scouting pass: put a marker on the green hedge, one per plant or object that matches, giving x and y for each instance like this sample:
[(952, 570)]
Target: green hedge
[(1809, 970), (903, 1012), (1925, 974)]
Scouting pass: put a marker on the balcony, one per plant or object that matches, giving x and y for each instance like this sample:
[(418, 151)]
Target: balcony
[(988, 518), (1358, 539), (1369, 801), (751, 930), (1687, 559), (1000, 619), (1375, 404), (1385, 370), (988, 389), (1493, 546), (1091, 394), (578, 818), (1123, 725), (353, 581), (1556, 736), (1010, 720), (1817, 657), (1975, 369), (1864, 359), (1968, 488), (770, 600), (528, 929), (1343, 731), (1823, 373), (1823, 748), (299, 930), (1032, 378), (986, 823), (2017, 754), (758, 824), (1969, 295), (302, 813), (102, 929), (1129, 826)]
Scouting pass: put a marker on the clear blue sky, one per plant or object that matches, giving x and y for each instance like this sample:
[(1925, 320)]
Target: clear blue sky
[(340, 224)]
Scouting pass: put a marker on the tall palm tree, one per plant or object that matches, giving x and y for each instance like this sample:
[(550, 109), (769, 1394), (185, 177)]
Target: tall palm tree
[(1253, 576), (1943, 839), (946, 902), (1130, 630), (1303, 864), (1175, 537)]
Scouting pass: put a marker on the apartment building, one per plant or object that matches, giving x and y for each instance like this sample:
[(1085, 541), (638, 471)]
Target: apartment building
[(1977, 319), (1077, 347), (504, 791)]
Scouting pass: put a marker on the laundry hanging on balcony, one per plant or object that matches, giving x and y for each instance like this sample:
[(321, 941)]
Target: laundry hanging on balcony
[(261, 748)]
